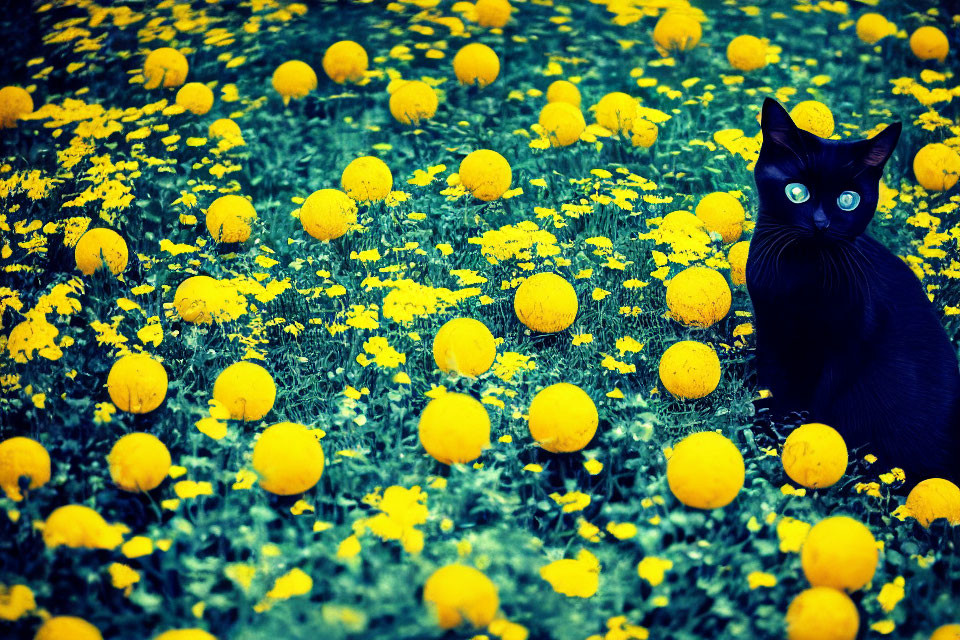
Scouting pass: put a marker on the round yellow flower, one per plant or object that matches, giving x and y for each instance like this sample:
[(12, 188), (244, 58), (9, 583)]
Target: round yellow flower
[(929, 43), (185, 634), (22, 457), (165, 66), (563, 418), (873, 27), (454, 428), (139, 462), (546, 303), (676, 31), (367, 179), (690, 369), (937, 167), (747, 53), (947, 632), (288, 458), (190, 299), (932, 499), (705, 470), (67, 628), (14, 104), (814, 117), (229, 218), (328, 214), (563, 91), (195, 97), (98, 248), (413, 101), (616, 111), (737, 257), (486, 174), (723, 213), (562, 122), (822, 613), (294, 79), (644, 133), (476, 64), (698, 297), (137, 383), (839, 552), (815, 456), (226, 129), (246, 389), (493, 13), (345, 60), (77, 526), (464, 345), (456, 593)]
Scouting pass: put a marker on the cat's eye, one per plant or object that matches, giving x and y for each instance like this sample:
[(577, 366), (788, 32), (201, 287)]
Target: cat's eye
[(797, 192), (848, 200)]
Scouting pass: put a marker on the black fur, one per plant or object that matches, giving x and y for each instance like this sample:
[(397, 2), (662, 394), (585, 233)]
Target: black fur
[(844, 328)]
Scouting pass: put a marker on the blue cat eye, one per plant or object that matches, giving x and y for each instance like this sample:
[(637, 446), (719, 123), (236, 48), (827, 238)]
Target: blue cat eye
[(848, 200), (797, 192)]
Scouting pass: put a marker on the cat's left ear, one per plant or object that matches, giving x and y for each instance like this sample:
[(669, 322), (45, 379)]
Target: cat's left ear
[(879, 148)]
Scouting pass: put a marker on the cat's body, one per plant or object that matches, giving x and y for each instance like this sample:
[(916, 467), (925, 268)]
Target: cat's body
[(844, 329)]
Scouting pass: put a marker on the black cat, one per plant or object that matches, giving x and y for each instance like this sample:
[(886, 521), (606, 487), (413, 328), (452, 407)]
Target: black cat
[(844, 328)]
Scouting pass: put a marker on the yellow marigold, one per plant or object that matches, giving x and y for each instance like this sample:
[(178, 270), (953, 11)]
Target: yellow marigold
[(616, 111), (413, 101), (932, 499), (813, 116), (873, 27), (492, 13), (75, 526), (227, 129), (578, 578), (690, 369), (137, 383), (165, 66), (929, 43), (486, 174), (546, 303), (246, 389), (456, 593), (67, 628), (345, 60), (294, 79), (839, 552), (139, 462), (564, 91), (937, 167), (22, 458), (464, 345), (454, 428), (747, 53), (698, 297), (14, 104), (185, 634), (476, 64), (815, 456), (676, 31), (737, 257), (946, 632), (98, 248), (328, 214), (644, 133), (562, 122), (822, 613), (288, 458), (203, 300), (367, 179), (195, 97), (563, 418), (705, 470), (15, 601), (229, 218)]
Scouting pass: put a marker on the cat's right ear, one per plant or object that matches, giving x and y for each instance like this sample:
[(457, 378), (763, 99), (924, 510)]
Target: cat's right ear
[(777, 126)]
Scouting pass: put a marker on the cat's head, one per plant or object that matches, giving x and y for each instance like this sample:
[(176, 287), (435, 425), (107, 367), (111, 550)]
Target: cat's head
[(820, 188)]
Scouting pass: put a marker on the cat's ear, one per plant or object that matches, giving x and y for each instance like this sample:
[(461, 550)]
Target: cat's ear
[(776, 125), (879, 148)]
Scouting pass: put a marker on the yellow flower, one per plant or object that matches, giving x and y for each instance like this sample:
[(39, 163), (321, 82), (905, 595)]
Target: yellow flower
[(747, 53), (546, 303), (464, 346), (936, 167), (644, 133), (932, 499), (294, 79), (165, 66), (288, 458), (185, 634), (698, 297), (873, 27), (722, 213), (137, 383), (653, 569), (757, 579), (792, 533), (22, 458), (123, 576), (476, 64), (67, 628), (367, 179), (492, 13), (562, 122), (929, 43), (413, 101), (486, 174), (616, 111), (578, 578), (139, 462), (454, 428), (402, 510), (293, 583), (813, 116), (839, 552), (195, 97), (676, 31), (202, 299), (15, 601), (737, 257), (815, 456), (690, 369), (14, 104), (456, 593), (891, 593), (946, 632), (563, 418), (246, 389), (328, 214), (101, 247), (226, 129), (345, 60), (822, 613), (705, 470), (564, 91), (75, 525), (229, 218)]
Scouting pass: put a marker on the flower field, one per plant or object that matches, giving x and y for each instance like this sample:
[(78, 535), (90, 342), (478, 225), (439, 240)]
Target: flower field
[(427, 319)]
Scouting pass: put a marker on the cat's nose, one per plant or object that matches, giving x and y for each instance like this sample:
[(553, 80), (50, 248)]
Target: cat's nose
[(820, 220)]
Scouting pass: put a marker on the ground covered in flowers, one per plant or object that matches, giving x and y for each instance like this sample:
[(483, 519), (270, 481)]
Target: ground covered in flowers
[(339, 300)]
